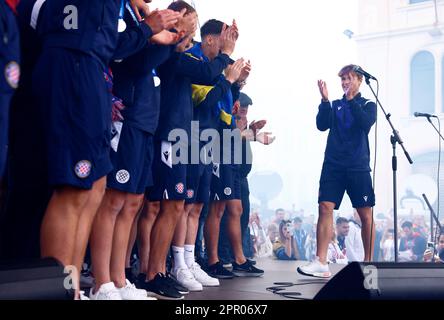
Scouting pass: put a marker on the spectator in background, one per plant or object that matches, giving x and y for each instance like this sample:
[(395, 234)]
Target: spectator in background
[(342, 230), (262, 246), (285, 248), (334, 252), (300, 236), (387, 246), (439, 253), (279, 215), (353, 242), (412, 245), (273, 232)]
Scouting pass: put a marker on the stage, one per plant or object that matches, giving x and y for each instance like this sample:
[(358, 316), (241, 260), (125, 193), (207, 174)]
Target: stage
[(247, 288)]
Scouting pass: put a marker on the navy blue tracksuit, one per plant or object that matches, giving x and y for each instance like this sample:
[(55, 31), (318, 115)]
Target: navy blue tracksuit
[(9, 73)]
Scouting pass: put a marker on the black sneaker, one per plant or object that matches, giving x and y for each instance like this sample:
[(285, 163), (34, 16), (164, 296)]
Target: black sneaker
[(246, 270), (218, 271), (160, 287), (252, 262), (173, 282)]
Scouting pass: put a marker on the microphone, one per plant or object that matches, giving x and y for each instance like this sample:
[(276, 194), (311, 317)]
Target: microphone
[(427, 115), (359, 70)]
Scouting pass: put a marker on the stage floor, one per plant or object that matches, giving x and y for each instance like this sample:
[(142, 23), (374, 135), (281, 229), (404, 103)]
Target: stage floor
[(247, 288)]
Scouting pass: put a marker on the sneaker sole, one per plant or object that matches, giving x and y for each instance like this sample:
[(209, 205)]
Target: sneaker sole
[(323, 275), (221, 277), (161, 297), (246, 274), (211, 285)]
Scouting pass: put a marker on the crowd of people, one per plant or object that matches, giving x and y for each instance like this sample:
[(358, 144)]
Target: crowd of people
[(290, 236)]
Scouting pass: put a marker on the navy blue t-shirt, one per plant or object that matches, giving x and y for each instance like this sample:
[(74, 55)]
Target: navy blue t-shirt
[(349, 123)]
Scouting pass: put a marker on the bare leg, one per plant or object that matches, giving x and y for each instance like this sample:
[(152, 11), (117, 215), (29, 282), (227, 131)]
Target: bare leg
[(324, 231), (162, 234), (102, 235), (212, 229), (368, 229), (181, 229), (234, 229), (132, 239), (86, 221), (146, 222), (121, 237), (193, 223)]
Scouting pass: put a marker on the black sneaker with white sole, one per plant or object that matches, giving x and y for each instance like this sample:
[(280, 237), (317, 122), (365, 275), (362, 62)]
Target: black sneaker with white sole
[(246, 270), (161, 288), (218, 271), (177, 285)]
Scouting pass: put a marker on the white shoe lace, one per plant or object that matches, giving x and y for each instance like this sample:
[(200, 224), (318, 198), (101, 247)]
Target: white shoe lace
[(198, 272)]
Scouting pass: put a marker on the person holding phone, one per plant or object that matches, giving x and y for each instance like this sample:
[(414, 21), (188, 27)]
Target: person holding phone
[(285, 248)]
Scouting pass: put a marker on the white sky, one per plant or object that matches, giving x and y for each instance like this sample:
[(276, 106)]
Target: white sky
[(291, 44)]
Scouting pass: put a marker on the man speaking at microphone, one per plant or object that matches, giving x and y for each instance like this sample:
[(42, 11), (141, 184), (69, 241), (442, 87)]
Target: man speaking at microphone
[(346, 164)]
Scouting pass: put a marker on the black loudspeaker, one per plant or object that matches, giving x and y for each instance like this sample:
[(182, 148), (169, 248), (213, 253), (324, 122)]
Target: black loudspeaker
[(39, 280), (386, 281)]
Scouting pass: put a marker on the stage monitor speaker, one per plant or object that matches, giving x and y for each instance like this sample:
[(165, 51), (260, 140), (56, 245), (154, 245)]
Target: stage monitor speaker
[(38, 280), (386, 281)]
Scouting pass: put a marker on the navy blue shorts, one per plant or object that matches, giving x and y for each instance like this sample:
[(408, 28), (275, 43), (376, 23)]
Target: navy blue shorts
[(198, 183), (358, 184), (225, 182), (132, 152), (170, 180), (75, 107)]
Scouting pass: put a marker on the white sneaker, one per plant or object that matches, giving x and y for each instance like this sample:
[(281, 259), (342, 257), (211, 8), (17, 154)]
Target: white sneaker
[(83, 296), (107, 291), (130, 292), (186, 278), (202, 277), (315, 269)]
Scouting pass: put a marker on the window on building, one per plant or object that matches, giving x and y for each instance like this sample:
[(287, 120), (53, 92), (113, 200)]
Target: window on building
[(422, 83), (417, 1)]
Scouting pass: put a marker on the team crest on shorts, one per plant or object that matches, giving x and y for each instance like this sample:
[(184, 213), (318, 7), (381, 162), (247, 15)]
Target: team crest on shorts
[(12, 74), (190, 193), (180, 188), (227, 191), (83, 169), (122, 176)]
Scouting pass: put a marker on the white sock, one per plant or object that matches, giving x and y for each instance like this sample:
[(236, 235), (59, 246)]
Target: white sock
[(179, 259), (189, 255)]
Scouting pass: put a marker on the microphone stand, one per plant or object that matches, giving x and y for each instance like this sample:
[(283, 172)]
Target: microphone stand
[(434, 127), (432, 213), (438, 224), (395, 138)]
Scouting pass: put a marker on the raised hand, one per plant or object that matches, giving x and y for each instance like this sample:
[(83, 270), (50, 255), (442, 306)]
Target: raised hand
[(323, 89), (245, 72), (187, 23), (166, 38), (228, 39), (256, 126), (140, 7), (265, 138), (159, 20), (233, 71)]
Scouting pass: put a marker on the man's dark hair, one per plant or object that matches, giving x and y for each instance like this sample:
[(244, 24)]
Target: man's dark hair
[(245, 100), (180, 5), (407, 224), (297, 220), (280, 209), (213, 27), (341, 220)]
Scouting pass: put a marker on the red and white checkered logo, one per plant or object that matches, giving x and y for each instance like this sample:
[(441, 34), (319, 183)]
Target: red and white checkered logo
[(180, 188), (83, 169), (190, 193), (12, 74)]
